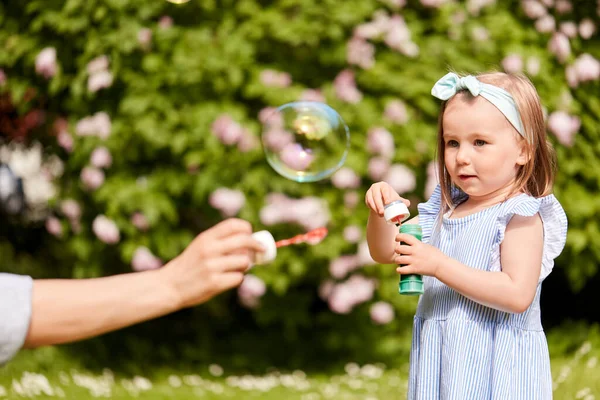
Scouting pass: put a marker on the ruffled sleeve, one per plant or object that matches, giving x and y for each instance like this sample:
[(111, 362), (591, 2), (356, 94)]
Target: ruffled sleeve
[(428, 213), (555, 224)]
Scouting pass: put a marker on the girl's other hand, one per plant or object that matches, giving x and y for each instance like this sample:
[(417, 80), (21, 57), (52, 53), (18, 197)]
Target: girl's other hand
[(417, 257)]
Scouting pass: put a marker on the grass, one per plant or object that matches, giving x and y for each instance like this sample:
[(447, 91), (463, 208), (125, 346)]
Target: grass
[(47, 373)]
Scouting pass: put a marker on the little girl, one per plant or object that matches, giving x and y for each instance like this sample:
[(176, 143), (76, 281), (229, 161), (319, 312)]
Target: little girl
[(491, 232)]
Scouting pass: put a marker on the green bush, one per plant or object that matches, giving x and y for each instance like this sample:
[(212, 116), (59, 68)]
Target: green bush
[(169, 84)]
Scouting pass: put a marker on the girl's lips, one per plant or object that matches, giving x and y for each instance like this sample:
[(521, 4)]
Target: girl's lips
[(465, 177)]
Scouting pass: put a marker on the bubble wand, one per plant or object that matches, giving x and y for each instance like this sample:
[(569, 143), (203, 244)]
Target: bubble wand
[(266, 239)]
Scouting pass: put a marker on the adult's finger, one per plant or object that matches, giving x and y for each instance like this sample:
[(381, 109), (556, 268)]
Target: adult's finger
[(229, 280), (237, 243), (233, 262), (229, 227)]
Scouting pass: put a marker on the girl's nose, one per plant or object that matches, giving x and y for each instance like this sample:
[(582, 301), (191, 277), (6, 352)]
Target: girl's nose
[(462, 156)]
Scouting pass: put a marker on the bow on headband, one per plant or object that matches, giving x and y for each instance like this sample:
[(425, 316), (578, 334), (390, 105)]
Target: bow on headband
[(450, 84)]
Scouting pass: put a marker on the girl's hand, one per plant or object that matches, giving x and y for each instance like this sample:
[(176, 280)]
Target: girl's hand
[(380, 194), (416, 256)]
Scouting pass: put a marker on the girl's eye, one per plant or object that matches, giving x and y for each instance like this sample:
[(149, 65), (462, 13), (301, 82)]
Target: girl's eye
[(452, 143), (479, 142)]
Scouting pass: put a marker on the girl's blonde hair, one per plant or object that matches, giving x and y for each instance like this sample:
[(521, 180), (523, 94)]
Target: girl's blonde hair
[(536, 177)]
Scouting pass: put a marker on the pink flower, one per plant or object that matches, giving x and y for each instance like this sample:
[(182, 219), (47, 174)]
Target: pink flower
[(351, 200), (341, 299), (71, 209), (145, 38), (276, 139), (587, 28), (395, 111), (54, 227), (312, 95), (92, 177), (345, 87), (97, 125), (251, 290), (375, 28), (533, 66), (381, 141), (564, 127), (65, 140), (571, 75), (101, 157), (144, 260), (270, 117), (341, 266), (99, 80), (512, 63), (587, 68), (432, 179), (569, 28), (345, 178), (475, 6), (563, 6), (140, 221), (45, 62), (480, 34), (559, 46), (106, 230), (401, 178), (98, 64), (228, 201), (433, 3), (361, 53), (296, 157), (273, 78), (534, 9), (398, 37), (325, 289), (2, 77), (378, 167), (227, 130), (381, 313), (247, 142), (545, 24), (352, 234), (165, 22)]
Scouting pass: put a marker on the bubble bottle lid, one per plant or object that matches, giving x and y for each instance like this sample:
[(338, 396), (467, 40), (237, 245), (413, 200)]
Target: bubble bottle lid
[(396, 212), (268, 241)]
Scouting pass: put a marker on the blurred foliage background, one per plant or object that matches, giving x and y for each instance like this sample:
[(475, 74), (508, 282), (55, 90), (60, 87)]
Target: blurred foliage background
[(131, 126)]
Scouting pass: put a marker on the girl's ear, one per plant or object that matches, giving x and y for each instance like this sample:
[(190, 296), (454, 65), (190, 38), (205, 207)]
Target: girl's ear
[(524, 153)]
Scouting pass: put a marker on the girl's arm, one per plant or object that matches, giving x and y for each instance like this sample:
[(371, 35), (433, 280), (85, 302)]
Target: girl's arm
[(380, 238), (513, 288)]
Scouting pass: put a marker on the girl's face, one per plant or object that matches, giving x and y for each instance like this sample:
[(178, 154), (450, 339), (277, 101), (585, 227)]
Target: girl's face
[(482, 150)]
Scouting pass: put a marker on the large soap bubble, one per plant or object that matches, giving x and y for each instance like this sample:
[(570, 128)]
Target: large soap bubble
[(305, 141)]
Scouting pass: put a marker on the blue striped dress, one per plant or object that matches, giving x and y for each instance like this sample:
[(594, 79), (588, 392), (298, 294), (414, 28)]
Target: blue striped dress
[(461, 349)]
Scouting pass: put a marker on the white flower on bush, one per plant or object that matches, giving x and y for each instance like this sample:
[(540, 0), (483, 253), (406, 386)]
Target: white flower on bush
[(345, 87), (352, 233), (563, 6), (569, 29), (45, 62), (341, 266), (106, 230), (534, 9), (398, 37), (396, 112), (273, 78), (345, 178), (375, 28), (533, 65), (309, 212), (101, 157), (144, 260), (381, 313), (251, 290), (559, 46), (165, 22), (144, 38), (228, 201), (92, 177), (378, 167), (351, 200), (381, 141), (96, 125), (140, 221), (564, 127), (545, 24), (227, 130), (71, 209), (360, 52), (401, 178), (54, 227), (587, 28), (587, 68), (312, 95), (99, 76), (512, 63), (346, 295)]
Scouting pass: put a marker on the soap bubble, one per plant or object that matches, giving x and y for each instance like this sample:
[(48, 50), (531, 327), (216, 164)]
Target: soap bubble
[(305, 141)]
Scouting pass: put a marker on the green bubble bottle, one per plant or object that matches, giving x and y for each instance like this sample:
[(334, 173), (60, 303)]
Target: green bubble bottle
[(396, 212), (411, 285)]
